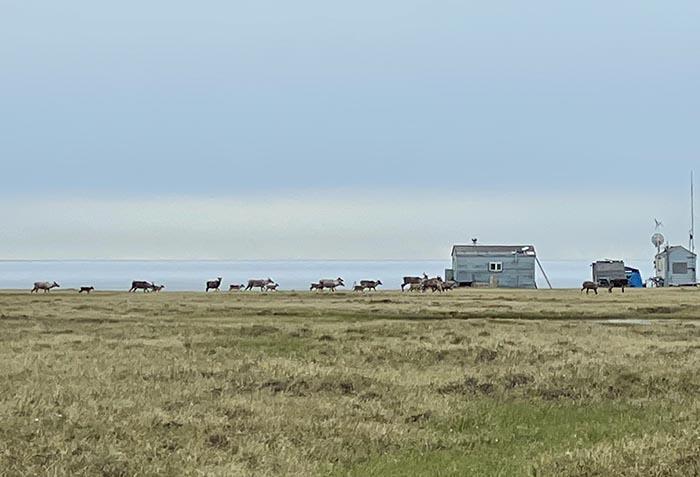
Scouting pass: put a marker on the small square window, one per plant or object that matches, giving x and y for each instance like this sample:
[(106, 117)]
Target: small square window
[(680, 267), (495, 266)]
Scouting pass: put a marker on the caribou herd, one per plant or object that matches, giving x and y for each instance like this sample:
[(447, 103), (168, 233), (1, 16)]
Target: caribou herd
[(410, 283)]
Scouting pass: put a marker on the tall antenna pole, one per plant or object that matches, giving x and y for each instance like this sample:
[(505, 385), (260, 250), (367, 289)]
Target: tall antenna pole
[(691, 240)]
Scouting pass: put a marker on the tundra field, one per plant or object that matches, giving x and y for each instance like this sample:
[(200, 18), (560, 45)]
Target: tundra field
[(472, 382)]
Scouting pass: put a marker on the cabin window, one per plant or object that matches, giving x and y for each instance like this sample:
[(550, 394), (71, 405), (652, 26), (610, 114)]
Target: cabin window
[(495, 266), (680, 267)]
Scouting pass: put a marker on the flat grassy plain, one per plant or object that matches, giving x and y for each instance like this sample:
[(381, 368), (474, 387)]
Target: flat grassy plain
[(472, 382)]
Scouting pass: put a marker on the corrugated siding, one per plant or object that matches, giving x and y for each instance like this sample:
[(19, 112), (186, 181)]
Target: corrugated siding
[(679, 255), (518, 271), (609, 271)]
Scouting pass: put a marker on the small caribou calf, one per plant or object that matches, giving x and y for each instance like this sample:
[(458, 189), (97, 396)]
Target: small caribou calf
[(86, 289), (235, 286)]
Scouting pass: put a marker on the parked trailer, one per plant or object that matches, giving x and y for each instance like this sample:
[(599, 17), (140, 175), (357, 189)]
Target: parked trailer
[(610, 273)]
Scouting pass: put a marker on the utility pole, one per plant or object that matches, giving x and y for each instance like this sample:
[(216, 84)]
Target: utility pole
[(691, 240)]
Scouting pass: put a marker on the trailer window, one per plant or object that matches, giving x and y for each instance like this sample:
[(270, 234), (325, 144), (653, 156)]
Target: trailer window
[(680, 267), (495, 266)]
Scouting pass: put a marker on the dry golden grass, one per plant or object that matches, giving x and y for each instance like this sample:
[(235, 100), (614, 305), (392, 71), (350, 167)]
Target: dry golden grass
[(475, 382)]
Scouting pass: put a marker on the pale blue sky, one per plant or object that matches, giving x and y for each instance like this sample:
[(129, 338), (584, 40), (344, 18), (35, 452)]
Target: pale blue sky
[(174, 100)]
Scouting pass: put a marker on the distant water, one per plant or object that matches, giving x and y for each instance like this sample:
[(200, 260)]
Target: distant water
[(290, 274)]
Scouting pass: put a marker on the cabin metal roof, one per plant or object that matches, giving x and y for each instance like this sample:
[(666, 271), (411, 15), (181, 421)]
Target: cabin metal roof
[(479, 249), (670, 248)]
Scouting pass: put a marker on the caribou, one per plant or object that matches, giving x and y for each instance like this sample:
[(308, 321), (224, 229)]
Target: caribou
[(256, 283), (370, 284), (588, 286), (412, 280), (46, 286), (86, 289), (449, 285), (157, 288), (213, 284), (271, 286), (235, 286), (330, 284), (414, 286), (141, 285), (435, 284)]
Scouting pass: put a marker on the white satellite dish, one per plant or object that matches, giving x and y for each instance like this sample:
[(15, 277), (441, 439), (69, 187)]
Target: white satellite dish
[(657, 240)]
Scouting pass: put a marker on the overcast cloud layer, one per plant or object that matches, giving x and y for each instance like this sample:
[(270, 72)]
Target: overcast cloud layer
[(270, 129), (371, 226)]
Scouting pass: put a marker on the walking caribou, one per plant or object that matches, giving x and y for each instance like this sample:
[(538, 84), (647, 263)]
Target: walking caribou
[(330, 284), (141, 285), (86, 289), (370, 284), (46, 286), (588, 286), (413, 280), (256, 283), (449, 285), (434, 284), (214, 284)]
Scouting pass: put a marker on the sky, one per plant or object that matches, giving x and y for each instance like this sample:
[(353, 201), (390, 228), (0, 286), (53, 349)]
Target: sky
[(315, 129)]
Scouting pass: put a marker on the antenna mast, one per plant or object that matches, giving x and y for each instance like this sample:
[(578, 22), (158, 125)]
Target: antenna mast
[(691, 240)]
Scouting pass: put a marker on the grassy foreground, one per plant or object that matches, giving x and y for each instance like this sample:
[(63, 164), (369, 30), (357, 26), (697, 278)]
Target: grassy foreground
[(475, 382)]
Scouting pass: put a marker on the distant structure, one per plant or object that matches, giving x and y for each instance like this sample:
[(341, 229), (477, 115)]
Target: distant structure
[(634, 277), (609, 273), (507, 266), (675, 267)]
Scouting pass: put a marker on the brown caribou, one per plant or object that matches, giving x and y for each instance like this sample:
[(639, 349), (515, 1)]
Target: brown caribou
[(213, 284), (257, 283), (140, 285), (46, 286), (449, 285), (331, 284), (588, 286), (412, 280), (370, 284), (434, 284), (86, 289)]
